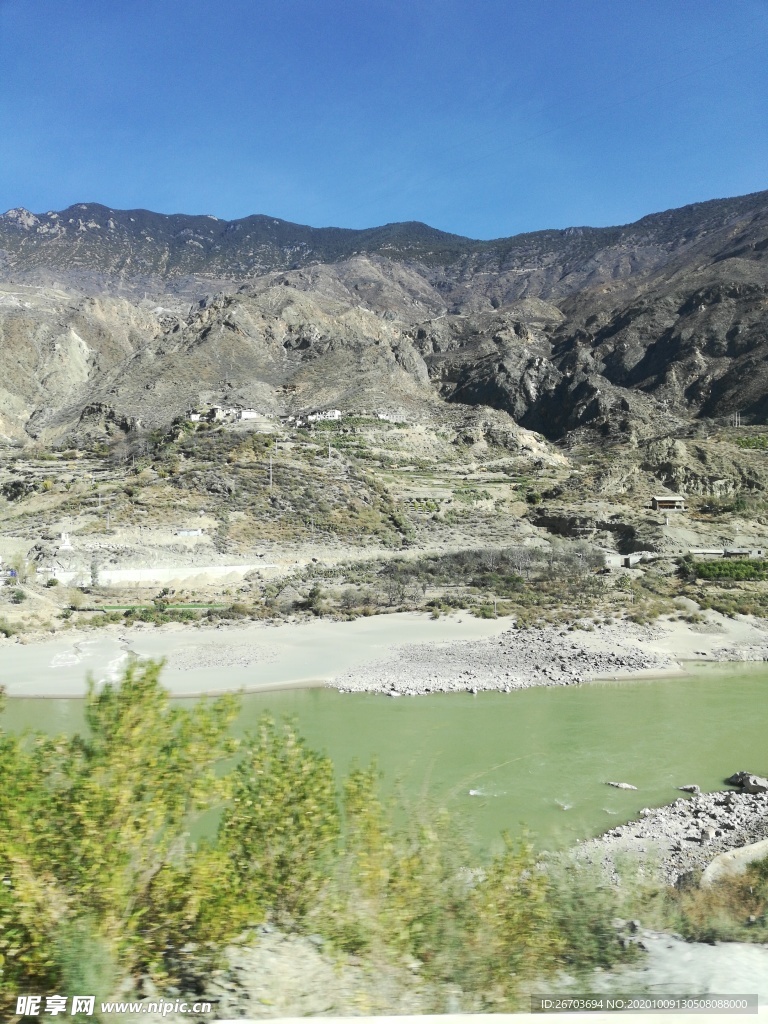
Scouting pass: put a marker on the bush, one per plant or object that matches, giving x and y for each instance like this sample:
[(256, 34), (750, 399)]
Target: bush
[(93, 832), (732, 910), (282, 824), (101, 881), (732, 569)]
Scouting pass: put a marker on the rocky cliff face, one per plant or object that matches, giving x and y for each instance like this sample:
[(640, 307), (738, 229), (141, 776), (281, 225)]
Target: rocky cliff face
[(629, 332)]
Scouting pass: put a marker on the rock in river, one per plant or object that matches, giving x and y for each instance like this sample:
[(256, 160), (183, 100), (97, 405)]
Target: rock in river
[(749, 783)]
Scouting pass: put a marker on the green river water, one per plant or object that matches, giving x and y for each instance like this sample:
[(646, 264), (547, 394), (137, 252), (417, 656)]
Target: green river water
[(538, 757)]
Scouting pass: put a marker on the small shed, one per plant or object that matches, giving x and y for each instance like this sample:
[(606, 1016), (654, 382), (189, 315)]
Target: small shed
[(668, 503)]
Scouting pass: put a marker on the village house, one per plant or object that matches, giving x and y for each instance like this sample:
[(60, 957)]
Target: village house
[(326, 414), (668, 503), (252, 414), (708, 553)]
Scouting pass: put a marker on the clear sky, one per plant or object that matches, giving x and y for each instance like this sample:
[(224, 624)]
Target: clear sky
[(482, 117)]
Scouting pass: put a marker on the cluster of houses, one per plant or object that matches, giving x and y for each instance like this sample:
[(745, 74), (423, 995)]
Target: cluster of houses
[(325, 415), (226, 414)]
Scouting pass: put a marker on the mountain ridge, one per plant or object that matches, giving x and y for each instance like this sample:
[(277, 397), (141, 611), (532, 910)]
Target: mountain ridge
[(624, 331), (90, 236)]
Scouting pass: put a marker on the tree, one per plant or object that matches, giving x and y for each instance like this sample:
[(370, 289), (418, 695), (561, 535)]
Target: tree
[(23, 568), (93, 831), (282, 823)]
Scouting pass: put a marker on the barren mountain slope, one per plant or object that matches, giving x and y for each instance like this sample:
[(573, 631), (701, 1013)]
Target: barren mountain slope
[(279, 351), (122, 249), (629, 331)]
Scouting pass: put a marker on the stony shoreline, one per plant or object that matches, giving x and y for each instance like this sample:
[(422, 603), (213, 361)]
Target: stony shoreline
[(681, 838), (556, 656), (515, 660)]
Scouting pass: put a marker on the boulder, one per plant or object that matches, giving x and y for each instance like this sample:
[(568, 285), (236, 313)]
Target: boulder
[(749, 783), (690, 789), (621, 785), (733, 863)]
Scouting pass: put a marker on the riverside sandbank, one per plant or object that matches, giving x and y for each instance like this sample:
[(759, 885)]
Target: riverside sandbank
[(401, 653), (247, 656), (557, 656)]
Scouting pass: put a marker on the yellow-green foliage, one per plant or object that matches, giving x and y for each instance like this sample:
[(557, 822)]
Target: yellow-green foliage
[(100, 881), (734, 909), (407, 890), (93, 828), (282, 824), (519, 931)]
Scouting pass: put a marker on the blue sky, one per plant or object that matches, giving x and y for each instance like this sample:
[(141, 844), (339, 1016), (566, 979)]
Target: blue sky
[(485, 118)]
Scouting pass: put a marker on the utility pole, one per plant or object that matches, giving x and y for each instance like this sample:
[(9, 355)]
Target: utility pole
[(270, 472)]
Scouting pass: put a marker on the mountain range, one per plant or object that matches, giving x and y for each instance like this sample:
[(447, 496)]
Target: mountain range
[(110, 316)]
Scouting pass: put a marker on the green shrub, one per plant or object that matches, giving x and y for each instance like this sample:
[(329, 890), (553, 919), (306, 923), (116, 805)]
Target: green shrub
[(732, 569), (282, 824), (90, 826)]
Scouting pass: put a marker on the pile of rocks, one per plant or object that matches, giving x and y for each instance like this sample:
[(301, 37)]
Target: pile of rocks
[(742, 652), (515, 660), (683, 837)]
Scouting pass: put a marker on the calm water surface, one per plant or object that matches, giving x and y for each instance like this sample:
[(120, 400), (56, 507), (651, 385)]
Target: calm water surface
[(539, 757)]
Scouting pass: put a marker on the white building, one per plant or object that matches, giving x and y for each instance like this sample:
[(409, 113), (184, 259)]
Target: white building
[(252, 414), (326, 414)]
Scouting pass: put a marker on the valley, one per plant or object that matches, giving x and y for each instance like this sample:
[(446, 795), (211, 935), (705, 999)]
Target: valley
[(401, 463)]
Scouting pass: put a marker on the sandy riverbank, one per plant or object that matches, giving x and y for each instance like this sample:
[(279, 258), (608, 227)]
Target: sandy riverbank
[(406, 653), (248, 656), (556, 656)]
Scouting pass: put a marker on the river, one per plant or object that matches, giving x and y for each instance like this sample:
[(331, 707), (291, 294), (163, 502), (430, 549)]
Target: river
[(539, 757)]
